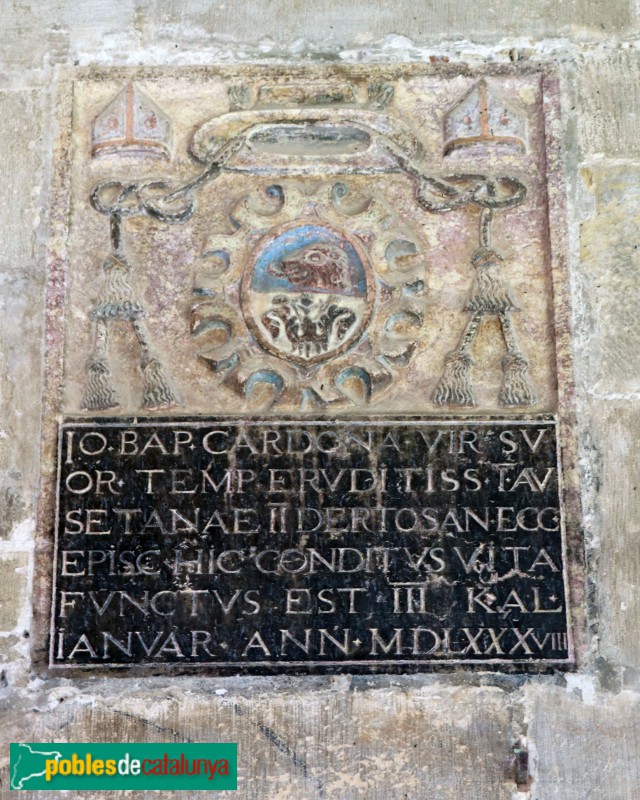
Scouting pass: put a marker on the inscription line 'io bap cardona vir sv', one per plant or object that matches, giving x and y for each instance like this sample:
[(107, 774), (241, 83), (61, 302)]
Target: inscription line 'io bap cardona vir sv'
[(252, 545)]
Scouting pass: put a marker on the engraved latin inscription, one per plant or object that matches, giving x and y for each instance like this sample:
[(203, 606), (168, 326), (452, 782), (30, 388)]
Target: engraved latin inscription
[(256, 545)]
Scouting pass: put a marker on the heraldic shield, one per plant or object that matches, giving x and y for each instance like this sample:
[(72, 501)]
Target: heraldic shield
[(308, 292)]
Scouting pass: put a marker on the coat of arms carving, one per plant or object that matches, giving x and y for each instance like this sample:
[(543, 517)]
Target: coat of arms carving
[(311, 350), (318, 291)]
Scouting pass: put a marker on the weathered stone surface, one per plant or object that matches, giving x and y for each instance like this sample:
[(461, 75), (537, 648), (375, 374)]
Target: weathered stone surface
[(580, 751), (311, 745), (13, 588), (414, 19), (58, 31), (586, 748), (8, 647), (608, 107), (610, 264), (614, 430), (21, 121), (21, 304), (54, 30)]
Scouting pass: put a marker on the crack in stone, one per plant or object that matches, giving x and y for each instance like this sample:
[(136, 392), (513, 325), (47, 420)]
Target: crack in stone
[(285, 749)]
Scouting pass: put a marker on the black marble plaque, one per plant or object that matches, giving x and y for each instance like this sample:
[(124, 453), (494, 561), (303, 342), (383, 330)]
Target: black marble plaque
[(359, 545)]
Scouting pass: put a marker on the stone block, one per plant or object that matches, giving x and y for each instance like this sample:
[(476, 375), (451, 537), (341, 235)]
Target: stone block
[(21, 130), (9, 649), (584, 751), (607, 102), (337, 22), (610, 260), (59, 31), (13, 588), (614, 427), (39, 33), (21, 302), (335, 745)]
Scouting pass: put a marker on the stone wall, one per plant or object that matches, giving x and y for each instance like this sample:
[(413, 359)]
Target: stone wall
[(446, 735)]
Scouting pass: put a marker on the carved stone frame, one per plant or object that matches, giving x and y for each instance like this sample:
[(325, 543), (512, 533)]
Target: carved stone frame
[(57, 265)]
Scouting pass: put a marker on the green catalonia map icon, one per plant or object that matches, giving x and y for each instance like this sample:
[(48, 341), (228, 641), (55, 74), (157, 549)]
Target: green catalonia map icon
[(28, 764)]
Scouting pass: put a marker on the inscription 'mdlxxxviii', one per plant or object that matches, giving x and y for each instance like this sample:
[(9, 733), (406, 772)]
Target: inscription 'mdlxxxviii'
[(328, 545)]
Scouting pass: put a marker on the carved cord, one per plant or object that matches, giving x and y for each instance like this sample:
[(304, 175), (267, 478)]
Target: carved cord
[(489, 295)]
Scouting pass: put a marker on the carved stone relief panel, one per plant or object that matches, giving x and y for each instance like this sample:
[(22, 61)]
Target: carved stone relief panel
[(283, 246), (358, 248)]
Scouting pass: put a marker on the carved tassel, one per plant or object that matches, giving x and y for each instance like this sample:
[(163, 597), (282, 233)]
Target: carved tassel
[(454, 387), (156, 389), (488, 293), (100, 393), (117, 299), (516, 389)]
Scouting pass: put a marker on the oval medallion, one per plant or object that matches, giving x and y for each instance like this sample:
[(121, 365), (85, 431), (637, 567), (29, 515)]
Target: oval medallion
[(308, 292)]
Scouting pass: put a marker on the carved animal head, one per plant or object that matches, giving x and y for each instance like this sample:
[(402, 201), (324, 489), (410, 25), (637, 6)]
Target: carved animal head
[(317, 266)]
